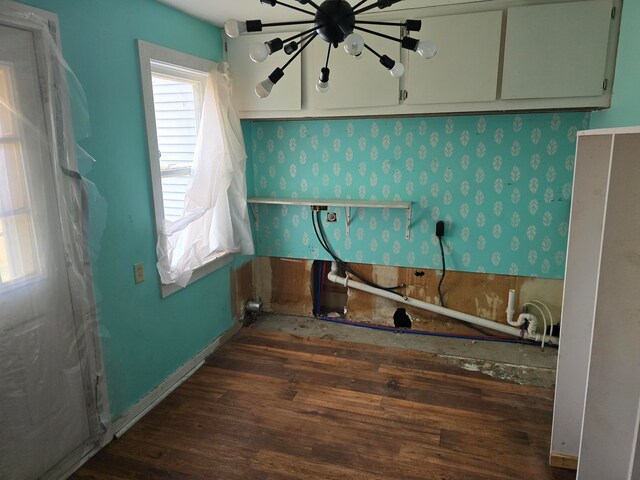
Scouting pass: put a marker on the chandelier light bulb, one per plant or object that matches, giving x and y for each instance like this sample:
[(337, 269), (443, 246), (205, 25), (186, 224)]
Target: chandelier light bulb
[(427, 49), (322, 87), (354, 44), (233, 28), (259, 52), (263, 89), (323, 82), (397, 71)]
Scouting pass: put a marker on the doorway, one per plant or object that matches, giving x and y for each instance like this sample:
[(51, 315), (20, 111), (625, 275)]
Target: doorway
[(49, 412)]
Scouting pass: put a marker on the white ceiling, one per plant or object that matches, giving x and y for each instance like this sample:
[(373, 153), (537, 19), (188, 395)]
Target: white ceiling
[(219, 11)]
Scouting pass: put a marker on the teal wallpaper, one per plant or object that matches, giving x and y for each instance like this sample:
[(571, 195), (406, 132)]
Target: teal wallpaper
[(501, 183)]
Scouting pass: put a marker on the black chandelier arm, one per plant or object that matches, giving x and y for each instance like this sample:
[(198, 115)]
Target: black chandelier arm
[(359, 4), (378, 34), (379, 4), (302, 34), (292, 7), (313, 4), (410, 25), (283, 24), (372, 50), (326, 65), (311, 39)]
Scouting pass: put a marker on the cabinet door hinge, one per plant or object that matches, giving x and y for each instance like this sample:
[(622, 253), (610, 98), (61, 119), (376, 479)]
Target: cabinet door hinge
[(403, 95), (605, 84), (614, 11)]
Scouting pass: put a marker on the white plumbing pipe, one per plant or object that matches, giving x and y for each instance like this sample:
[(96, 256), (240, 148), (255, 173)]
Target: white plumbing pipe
[(511, 309), (465, 317)]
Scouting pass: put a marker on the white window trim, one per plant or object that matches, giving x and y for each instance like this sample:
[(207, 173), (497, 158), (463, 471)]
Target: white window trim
[(148, 53)]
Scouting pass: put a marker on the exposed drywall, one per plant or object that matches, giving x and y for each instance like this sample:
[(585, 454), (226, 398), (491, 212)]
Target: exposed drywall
[(242, 289), (284, 285), (625, 104), (502, 183), (145, 338)]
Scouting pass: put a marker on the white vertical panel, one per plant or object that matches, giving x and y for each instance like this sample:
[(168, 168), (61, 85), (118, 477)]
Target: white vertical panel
[(580, 283), (466, 66), (286, 95), (613, 388), (556, 50)]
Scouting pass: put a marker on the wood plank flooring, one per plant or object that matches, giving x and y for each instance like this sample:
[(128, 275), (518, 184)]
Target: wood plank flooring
[(273, 406)]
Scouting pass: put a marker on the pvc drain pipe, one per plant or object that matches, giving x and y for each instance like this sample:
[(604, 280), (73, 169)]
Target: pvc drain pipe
[(465, 317)]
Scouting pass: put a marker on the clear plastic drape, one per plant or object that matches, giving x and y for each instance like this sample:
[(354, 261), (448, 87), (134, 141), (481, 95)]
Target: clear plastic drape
[(216, 219), (53, 404)]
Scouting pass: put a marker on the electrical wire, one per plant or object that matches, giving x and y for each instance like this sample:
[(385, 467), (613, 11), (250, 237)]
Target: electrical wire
[(324, 242), (444, 272), (427, 334)]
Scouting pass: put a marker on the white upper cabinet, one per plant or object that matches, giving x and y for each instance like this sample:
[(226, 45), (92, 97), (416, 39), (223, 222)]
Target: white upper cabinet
[(466, 66), (286, 95), (354, 82), (493, 56), (557, 50)]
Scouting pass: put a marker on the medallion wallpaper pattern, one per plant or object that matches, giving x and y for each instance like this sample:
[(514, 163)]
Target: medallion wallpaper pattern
[(501, 183)]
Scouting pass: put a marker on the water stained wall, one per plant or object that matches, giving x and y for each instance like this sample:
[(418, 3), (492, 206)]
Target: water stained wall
[(287, 286)]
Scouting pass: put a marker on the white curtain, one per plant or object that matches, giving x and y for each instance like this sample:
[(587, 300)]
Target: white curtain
[(215, 221)]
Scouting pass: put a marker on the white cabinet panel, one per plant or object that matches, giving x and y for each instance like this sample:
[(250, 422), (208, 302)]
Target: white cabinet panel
[(466, 66), (557, 50), (286, 94), (354, 82)]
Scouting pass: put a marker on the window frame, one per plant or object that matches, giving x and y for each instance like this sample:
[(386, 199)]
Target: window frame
[(148, 54), (17, 139)]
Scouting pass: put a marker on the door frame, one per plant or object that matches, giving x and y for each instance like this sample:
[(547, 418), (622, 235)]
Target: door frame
[(45, 27)]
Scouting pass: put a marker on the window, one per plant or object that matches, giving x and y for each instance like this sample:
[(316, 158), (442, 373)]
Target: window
[(177, 98), (18, 250), (197, 161)]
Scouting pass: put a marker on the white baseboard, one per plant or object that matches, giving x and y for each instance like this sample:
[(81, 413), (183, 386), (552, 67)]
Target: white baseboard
[(123, 423)]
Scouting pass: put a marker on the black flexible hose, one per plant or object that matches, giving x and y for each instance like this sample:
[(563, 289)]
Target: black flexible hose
[(444, 272), (324, 242)]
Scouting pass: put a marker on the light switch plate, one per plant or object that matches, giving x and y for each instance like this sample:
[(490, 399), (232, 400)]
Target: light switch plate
[(138, 270)]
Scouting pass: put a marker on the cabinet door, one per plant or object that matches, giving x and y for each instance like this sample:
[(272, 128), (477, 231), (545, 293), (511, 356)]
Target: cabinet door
[(557, 50), (354, 82), (466, 66), (246, 74)]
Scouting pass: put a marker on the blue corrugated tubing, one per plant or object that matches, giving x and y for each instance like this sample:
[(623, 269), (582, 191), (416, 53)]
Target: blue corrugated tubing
[(427, 334)]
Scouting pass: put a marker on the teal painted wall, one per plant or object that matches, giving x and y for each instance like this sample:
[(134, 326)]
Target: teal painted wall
[(625, 107), (145, 338), (502, 183)]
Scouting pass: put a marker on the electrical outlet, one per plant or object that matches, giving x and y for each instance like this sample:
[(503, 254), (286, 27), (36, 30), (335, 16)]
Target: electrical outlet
[(138, 270), (332, 217)]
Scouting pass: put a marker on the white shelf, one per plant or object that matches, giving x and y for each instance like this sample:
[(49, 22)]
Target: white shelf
[(328, 202)]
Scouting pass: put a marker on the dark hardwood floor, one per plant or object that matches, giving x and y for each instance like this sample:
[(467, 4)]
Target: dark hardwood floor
[(274, 406)]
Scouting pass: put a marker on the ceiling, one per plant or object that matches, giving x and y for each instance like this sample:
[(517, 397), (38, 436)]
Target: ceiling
[(219, 11)]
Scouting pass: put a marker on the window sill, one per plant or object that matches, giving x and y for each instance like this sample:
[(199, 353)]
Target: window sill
[(203, 271)]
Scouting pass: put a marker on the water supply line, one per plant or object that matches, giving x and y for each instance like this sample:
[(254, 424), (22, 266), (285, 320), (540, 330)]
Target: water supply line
[(465, 317)]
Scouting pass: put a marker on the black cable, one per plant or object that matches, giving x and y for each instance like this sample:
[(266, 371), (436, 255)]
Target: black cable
[(444, 272), (321, 236)]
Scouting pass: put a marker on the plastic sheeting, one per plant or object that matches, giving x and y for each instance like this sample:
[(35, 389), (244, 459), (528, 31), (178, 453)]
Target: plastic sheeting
[(53, 405), (215, 221)]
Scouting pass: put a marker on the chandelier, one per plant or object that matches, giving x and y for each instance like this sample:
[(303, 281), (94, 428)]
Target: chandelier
[(335, 22)]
